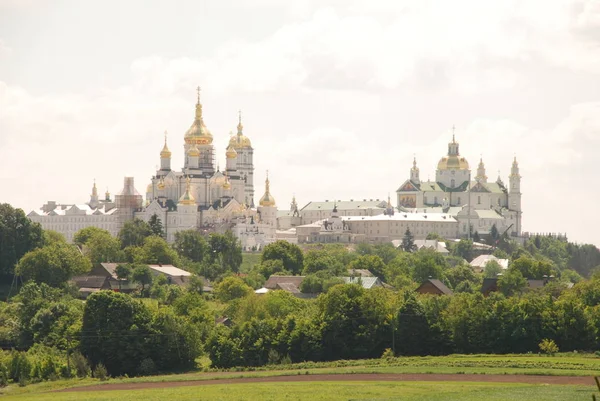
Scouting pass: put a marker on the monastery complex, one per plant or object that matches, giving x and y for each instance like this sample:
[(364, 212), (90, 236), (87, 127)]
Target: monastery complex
[(201, 197)]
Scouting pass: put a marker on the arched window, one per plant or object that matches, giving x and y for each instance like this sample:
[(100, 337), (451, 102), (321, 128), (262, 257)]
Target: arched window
[(479, 200), (452, 183)]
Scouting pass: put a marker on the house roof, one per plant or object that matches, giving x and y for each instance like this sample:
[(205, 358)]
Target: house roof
[(110, 268), (482, 260), (289, 287), (273, 281), (360, 272), (488, 214), (366, 282), (345, 205), (169, 270), (400, 216), (439, 285), (89, 281), (436, 245)]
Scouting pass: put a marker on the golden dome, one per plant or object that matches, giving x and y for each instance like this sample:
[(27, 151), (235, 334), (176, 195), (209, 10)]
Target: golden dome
[(149, 188), (267, 199), (227, 184), (198, 133), (165, 153), (453, 163), (187, 198), (193, 151), (231, 153), (161, 184), (240, 141)]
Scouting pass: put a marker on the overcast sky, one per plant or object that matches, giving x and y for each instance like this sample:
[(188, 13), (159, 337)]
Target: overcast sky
[(336, 96)]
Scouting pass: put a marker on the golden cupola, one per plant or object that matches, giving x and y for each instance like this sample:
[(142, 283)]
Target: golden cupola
[(231, 152), (453, 161), (187, 198), (198, 133), (165, 153), (227, 183), (267, 199), (240, 141)]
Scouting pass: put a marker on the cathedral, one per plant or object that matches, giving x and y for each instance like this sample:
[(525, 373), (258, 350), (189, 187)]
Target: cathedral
[(476, 202)]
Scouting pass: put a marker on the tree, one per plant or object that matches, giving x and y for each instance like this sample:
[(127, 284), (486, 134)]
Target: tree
[(408, 242), (494, 234), (143, 275), (116, 330), (232, 288), (53, 264), (102, 247), (428, 264), (320, 260), (372, 263), (82, 236), (18, 235), (413, 333), (157, 251), (123, 272), (460, 274), (464, 249), (156, 225), (269, 267), (225, 250), (51, 237), (512, 282), (290, 255), (134, 232), (492, 269), (191, 245)]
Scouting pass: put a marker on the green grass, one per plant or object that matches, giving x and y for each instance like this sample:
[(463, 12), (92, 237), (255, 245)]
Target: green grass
[(559, 365), (316, 391)]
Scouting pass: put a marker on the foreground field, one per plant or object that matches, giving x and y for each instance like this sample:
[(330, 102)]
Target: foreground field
[(410, 391), (581, 367)]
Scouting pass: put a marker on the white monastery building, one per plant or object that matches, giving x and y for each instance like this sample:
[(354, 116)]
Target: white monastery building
[(201, 197)]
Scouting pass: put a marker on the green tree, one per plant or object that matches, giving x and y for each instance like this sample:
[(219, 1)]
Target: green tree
[(272, 266), (460, 274), (192, 245), (290, 255), (123, 272), (463, 249), (143, 275), (156, 225), (412, 333), (18, 235), (157, 251), (51, 237), (52, 264), (408, 242), (231, 288), (82, 236), (226, 251), (102, 247), (373, 263), (492, 269), (134, 232), (320, 260), (428, 264), (512, 282), (116, 331)]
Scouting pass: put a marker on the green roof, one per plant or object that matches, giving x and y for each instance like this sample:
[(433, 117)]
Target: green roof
[(346, 205)]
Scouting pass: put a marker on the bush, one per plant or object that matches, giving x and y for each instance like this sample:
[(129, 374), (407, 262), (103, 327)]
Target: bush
[(387, 354), (80, 364), (147, 367), (100, 372), (548, 347), (3, 375)]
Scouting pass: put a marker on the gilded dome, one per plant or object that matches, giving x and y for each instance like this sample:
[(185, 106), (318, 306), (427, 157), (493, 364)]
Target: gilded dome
[(231, 153), (267, 199), (240, 141), (227, 184), (165, 153), (161, 184), (453, 163), (198, 133), (149, 188), (187, 198)]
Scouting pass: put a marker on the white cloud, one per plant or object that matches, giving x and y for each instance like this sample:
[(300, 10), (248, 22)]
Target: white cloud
[(4, 49)]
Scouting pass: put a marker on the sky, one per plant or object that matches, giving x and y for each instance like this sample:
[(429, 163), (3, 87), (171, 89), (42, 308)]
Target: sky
[(337, 97)]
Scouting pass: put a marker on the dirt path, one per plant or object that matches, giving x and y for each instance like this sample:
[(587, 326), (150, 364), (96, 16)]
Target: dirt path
[(397, 377)]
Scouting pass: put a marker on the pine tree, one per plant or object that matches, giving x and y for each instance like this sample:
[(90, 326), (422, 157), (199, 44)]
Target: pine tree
[(156, 226), (408, 242)]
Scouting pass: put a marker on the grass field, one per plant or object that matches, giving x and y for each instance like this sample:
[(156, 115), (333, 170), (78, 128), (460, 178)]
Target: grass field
[(560, 365), (316, 391), (249, 259)]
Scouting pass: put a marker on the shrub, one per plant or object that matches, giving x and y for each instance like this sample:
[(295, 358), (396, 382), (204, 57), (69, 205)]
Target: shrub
[(147, 367), (100, 372), (80, 364), (387, 354), (3, 375), (548, 346)]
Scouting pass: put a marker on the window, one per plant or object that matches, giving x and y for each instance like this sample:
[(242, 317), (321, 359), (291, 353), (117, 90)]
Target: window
[(458, 201), (435, 200), (452, 182), (479, 200)]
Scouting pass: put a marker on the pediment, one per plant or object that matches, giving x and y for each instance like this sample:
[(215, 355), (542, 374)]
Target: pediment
[(408, 186), (479, 187)]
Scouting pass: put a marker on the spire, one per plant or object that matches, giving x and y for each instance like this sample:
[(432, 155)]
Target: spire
[(240, 127), (414, 171), (453, 130), (165, 153), (94, 189), (107, 195), (481, 177), (198, 106), (267, 199)]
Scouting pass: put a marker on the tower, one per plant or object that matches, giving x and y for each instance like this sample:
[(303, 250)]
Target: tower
[(452, 170), (199, 136), (94, 197), (267, 207), (186, 208), (244, 162), (514, 194), (481, 177), (414, 172), (127, 202), (165, 156)]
